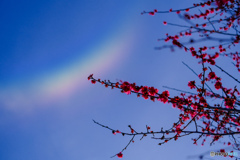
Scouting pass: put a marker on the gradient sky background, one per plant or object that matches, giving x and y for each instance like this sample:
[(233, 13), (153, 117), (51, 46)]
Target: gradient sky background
[(48, 49)]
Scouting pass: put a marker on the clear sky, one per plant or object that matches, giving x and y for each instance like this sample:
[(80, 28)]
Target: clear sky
[(48, 48)]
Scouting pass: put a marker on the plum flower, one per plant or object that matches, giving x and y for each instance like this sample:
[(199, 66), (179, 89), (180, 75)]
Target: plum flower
[(120, 155), (218, 85), (191, 84)]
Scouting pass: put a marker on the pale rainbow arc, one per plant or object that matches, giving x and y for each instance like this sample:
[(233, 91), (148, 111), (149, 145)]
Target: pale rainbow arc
[(66, 81)]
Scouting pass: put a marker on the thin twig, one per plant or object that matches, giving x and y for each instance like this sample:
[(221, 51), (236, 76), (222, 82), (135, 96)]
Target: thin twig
[(227, 73)]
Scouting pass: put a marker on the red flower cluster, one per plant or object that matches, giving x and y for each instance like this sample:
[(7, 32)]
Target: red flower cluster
[(212, 75), (176, 43), (229, 103), (191, 84), (153, 13), (120, 155), (164, 96), (218, 85), (145, 91), (126, 87)]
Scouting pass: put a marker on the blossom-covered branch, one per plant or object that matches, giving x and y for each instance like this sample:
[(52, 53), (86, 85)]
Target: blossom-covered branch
[(216, 21)]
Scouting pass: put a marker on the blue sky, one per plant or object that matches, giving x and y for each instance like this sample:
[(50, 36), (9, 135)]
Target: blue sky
[(49, 48)]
